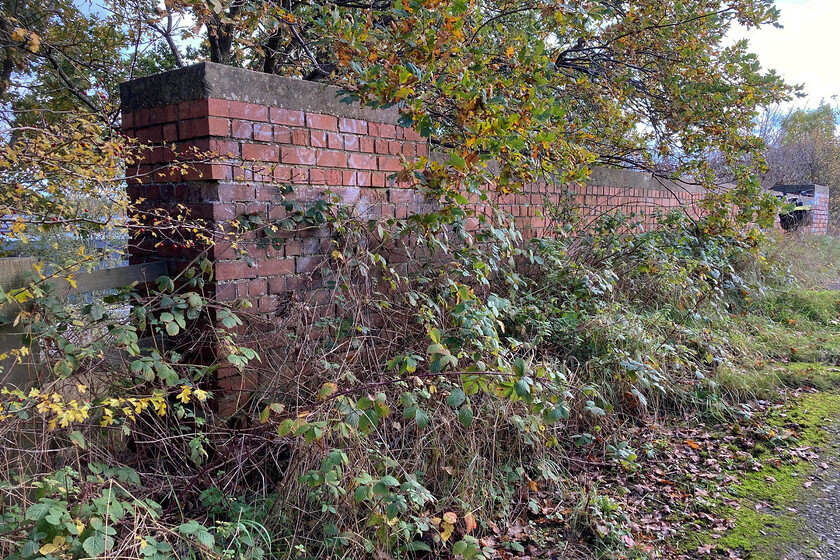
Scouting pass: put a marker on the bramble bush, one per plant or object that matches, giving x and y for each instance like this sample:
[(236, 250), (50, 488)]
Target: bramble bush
[(425, 413)]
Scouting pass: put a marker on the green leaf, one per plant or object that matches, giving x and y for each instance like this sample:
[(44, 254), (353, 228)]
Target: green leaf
[(390, 481), (36, 512), (465, 416), (97, 543), (77, 438), (285, 427), (418, 546), (456, 398), (206, 538), (518, 367), (421, 418)]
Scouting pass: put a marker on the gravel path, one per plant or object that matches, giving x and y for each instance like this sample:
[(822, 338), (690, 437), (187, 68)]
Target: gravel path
[(822, 512)]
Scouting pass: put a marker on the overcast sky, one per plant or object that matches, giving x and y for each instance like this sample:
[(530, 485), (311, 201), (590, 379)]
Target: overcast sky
[(806, 51)]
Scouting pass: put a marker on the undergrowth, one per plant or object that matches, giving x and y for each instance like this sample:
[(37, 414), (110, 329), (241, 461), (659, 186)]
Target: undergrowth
[(430, 399)]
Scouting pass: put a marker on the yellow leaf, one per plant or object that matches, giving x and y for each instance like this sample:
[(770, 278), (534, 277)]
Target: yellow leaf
[(184, 395), (447, 529), (57, 544), (327, 389), (34, 43), (450, 517), (19, 34)]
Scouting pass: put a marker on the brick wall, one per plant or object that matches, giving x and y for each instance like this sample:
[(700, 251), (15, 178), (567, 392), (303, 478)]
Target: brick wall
[(299, 133), (293, 132)]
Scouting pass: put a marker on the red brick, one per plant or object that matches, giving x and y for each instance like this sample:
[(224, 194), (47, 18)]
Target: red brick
[(277, 285), (389, 163), (242, 129), (298, 156), (206, 171), (224, 147), (377, 179), (249, 111), (331, 159), (300, 137), (260, 152), (317, 176), (205, 126), (321, 122), (141, 117), (412, 135), (257, 287), (366, 145), (234, 192), (226, 292), (318, 138), (381, 130), (128, 120), (362, 161), (408, 149), (276, 267), (170, 132), (283, 173), (234, 270), (287, 117), (355, 126), (334, 177), (300, 174), (167, 175), (269, 193), (163, 154), (160, 115), (293, 248), (335, 141), (265, 305), (363, 179), (351, 143), (282, 134), (400, 196), (150, 135), (262, 132)]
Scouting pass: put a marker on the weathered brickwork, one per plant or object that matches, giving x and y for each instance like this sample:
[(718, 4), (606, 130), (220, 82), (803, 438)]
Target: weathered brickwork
[(269, 132), (350, 152)]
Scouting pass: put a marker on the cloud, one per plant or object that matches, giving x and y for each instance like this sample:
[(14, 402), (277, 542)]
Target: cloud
[(806, 51)]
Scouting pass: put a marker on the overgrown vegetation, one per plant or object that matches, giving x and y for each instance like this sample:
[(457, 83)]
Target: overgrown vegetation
[(451, 389), (441, 410)]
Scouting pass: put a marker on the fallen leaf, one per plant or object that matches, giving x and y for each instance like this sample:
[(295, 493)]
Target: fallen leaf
[(469, 521)]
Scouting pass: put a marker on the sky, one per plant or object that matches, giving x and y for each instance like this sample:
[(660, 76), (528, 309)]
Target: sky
[(806, 51)]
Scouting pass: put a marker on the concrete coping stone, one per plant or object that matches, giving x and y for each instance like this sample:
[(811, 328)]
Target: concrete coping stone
[(208, 80)]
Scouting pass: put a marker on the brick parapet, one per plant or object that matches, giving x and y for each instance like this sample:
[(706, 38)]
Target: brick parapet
[(224, 142)]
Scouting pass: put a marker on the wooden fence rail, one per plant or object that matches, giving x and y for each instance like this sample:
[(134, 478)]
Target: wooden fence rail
[(14, 273)]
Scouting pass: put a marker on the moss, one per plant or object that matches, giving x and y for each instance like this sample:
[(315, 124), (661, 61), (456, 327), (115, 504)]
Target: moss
[(767, 532)]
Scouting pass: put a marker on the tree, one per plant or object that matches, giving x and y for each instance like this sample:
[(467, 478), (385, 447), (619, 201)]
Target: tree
[(803, 147), (542, 88)]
